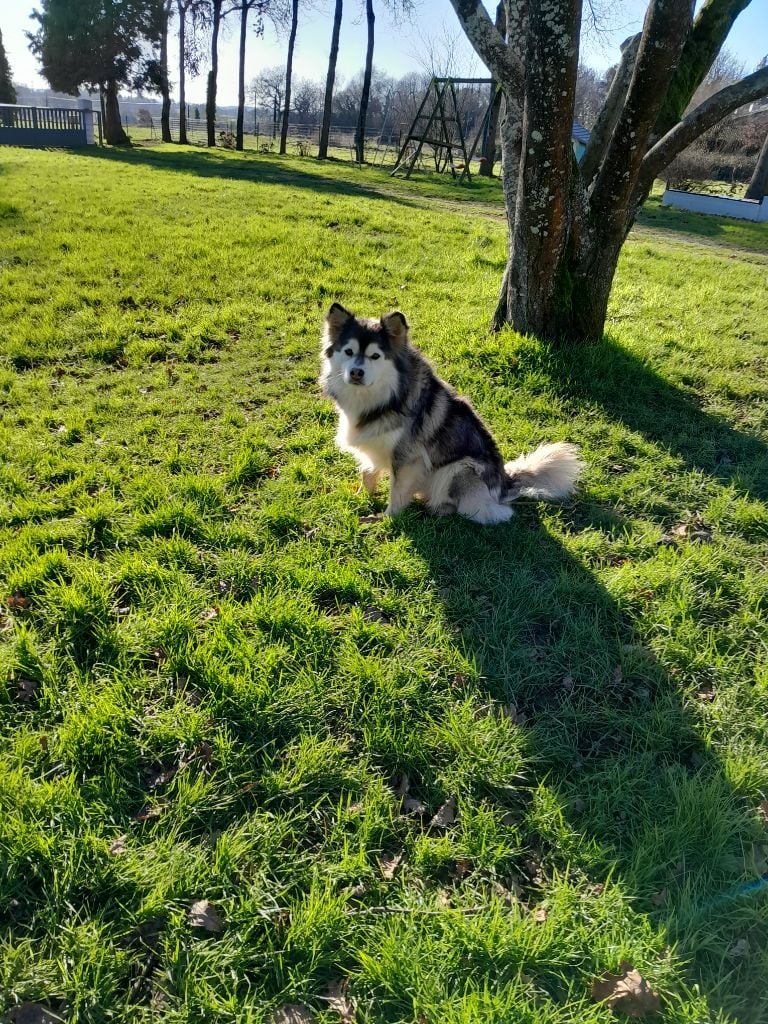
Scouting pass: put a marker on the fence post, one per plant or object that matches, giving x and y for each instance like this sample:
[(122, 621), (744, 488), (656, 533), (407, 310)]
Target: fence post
[(85, 107)]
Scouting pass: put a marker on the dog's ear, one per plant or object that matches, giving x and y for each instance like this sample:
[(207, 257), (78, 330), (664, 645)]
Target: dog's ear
[(335, 319), (396, 326)]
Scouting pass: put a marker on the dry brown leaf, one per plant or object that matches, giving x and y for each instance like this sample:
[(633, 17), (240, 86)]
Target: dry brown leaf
[(118, 847), (337, 999), (446, 815), (32, 1013), (149, 813), (209, 614), (693, 528), (389, 865), (443, 898), (203, 914), (17, 602), (374, 614), (293, 1013), (462, 868), (540, 914), (627, 991)]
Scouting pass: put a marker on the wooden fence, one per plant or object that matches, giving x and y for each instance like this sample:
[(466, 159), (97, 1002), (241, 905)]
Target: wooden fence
[(46, 126)]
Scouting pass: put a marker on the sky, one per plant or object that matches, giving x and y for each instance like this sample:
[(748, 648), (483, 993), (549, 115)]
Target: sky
[(398, 47)]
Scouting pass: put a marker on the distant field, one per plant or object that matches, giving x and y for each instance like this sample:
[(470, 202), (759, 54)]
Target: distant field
[(463, 773)]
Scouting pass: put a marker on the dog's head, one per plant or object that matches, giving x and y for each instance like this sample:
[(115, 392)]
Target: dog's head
[(360, 353)]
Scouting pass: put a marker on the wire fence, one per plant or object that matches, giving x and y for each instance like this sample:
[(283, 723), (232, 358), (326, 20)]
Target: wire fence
[(304, 139)]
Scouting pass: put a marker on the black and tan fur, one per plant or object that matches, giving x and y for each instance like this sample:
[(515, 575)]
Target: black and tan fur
[(397, 417)]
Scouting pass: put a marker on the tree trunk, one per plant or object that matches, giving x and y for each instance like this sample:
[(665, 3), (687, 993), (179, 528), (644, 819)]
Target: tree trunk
[(182, 74), (165, 86), (758, 186), (213, 74), (241, 77), (289, 74), (363, 114), (328, 105), (488, 154), (113, 128)]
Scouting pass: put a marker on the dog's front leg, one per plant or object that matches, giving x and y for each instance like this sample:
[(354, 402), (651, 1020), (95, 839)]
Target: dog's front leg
[(403, 485), (371, 479)]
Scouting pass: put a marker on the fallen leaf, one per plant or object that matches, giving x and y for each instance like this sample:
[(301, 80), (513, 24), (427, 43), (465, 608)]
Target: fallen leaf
[(224, 586), (26, 689), (443, 898), (540, 914), (293, 1013), (43, 741), (706, 692), (413, 806), (338, 1000), (627, 991), (462, 868), (158, 654), (16, 602), (389, 865), (204, 751), (203, 914), (514, 715), (693, 528), (445, 815), (618, 468), (148, 813), (32, 1013), (401, 789), (209, 614), (373, 614), (118, 847)]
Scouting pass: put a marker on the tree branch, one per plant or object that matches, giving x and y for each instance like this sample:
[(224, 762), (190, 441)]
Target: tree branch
[(609, 115), (701, 119), (484, 37), (667, 23), (710, 28)]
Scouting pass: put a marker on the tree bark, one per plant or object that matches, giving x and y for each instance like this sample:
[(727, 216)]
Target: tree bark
[(113, 128), (612, 107), (488, 155), (758, 186), (330, 78), (213, 74), (289, 74), (365, 95), (245, 7), (165, 85), (181, 8)]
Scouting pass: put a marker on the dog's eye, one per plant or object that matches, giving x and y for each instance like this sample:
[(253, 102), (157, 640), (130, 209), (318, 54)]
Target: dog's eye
[(375, 355), (348, 352)]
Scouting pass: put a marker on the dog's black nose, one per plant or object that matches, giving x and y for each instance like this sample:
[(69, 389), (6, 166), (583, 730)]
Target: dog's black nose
[(356, 374)]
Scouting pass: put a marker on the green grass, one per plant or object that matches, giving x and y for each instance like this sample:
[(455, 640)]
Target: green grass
[(207, 657)]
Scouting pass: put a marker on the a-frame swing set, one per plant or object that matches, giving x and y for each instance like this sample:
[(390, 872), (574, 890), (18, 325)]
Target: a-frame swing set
[(440, 126)]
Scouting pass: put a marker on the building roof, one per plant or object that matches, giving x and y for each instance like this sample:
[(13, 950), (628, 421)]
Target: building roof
[(580, 133)]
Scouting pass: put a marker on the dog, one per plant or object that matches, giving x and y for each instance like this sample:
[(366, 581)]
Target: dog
[(396, 416)]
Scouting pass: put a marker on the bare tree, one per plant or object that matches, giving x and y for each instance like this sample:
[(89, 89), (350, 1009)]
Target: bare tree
[(191, 15), (215, 16), (166, 13), (268, 90), (567, 223), (289, 73), (325, 129), (488, 155), (307, 100)]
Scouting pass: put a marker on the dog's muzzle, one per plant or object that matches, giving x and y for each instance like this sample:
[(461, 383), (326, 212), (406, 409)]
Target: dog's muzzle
[(356, 375)]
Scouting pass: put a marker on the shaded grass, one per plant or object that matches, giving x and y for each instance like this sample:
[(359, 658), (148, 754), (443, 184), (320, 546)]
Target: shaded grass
[(210, 656)]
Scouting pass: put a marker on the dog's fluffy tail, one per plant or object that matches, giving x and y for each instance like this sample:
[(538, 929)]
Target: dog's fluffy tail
[(548, 474)]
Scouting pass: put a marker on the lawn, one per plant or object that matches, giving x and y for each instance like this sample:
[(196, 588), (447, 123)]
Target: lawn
[(421, 771)]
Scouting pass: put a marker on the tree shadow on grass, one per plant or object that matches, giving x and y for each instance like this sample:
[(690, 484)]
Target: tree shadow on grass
[(613, 736), (632, 392), (261, 170)]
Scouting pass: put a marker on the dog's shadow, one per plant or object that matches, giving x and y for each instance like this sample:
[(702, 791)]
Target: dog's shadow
[(609, 731)]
